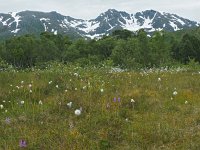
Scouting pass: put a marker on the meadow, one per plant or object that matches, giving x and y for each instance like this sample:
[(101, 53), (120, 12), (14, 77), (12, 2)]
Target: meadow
[(68, 107)]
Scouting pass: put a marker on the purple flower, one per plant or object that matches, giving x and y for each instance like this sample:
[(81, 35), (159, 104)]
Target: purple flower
[(114, 99), (118, 99), (22, 143), (7, 121)]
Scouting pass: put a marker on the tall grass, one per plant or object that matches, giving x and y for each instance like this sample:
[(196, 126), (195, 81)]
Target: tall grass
[(120, 110)]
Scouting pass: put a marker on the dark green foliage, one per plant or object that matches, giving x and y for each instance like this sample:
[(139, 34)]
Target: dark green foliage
[(188, 48), (123, 48)]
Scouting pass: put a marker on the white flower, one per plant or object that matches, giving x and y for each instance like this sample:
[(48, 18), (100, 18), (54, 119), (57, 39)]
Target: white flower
[(84, 87), (40, 102), (75, 89), (77, 112), (30, 85), (56, 86), (132, 101), (175, 93), (159, 79), (69, 104), (101, 90), (6, 111), (65, 90), (1, 106), (22, 82), (76, 74), (50, 82), (186, 102), (30, 91), (22, 102)]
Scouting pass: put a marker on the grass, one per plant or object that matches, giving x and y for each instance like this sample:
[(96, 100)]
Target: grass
[(156, 120)]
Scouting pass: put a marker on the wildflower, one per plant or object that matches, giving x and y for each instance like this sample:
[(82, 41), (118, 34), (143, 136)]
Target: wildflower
[(175, 93), (77, 112), (30, 91), (50, 82), (65, 90), (6, 111), (22, 143), (159, 79), (40, 102), (30, 85), (115, 99), (101, 90), (22, 82), (76, 74), (69, 104), (119, 99), (84, 87), (186, 102), (56, 86), (75, 89), (7, 120), (71, 125), (1, 106), (22, 102), (108, 105), (132, 101)]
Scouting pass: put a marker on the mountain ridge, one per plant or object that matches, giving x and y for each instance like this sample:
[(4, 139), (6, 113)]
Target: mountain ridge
[(35, 22)]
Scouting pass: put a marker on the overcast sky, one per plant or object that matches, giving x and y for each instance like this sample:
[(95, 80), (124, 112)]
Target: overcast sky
[(88, 9)]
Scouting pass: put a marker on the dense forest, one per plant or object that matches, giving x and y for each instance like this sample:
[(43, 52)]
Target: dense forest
[(123, 48)]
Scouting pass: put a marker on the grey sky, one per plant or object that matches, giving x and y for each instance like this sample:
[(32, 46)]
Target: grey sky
[(88, 9)]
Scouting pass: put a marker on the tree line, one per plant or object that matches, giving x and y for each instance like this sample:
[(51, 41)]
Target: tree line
[(122, 48)]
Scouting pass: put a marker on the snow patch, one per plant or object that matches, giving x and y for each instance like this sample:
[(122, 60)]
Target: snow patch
[(182, 22), (172, 24), (15, 31), (5, 22), (16, 18)]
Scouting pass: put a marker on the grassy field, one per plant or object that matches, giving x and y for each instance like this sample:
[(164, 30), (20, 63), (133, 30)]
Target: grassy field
[(154, 109)]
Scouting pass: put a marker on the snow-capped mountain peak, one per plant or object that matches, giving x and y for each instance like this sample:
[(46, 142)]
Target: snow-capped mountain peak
[(18, 23)]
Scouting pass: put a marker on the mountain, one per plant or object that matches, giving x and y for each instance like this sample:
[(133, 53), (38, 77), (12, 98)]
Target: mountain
[(32, 22)]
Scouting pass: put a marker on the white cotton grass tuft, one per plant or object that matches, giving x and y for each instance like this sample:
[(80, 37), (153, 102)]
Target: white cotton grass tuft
[(77, 112), (40, 102), (132, 101), (175, 93), (69, 104), (1, 106)]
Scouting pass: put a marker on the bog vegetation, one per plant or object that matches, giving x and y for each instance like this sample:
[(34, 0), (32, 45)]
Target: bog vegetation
[(125, 91)]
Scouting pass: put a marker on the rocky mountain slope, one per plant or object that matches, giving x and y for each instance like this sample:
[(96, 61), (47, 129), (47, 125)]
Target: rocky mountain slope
[(32, 22)]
